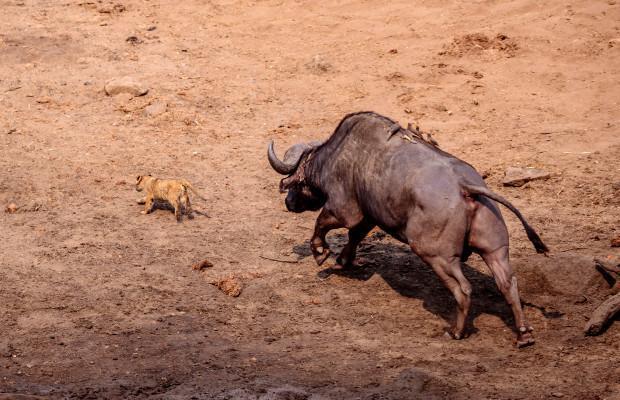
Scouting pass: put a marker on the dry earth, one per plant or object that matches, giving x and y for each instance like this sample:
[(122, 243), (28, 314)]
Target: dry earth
[(99, 301)]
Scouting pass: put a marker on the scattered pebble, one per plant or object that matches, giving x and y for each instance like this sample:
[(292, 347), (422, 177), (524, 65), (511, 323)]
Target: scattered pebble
[(125, 85), (200, 265), (557, 394), (11, 208), (615, 242), (518, 176)]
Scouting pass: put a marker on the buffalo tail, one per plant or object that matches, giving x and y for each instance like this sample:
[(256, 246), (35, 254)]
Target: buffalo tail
[(531, 233)]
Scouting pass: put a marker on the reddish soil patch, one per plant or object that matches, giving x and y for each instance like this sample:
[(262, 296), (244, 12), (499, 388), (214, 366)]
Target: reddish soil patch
[(99, 301)]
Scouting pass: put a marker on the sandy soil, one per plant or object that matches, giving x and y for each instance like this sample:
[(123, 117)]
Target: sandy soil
[(99, 301)]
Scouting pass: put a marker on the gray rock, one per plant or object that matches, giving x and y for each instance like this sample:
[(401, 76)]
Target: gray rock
[(125, 84), (318, 65), (156, 108), (518, 176)]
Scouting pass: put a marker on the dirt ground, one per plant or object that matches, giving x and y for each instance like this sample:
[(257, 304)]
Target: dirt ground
[(99, 301)]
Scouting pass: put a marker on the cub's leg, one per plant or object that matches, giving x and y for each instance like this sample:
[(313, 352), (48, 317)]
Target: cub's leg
[(188, 206), (148, 205), (176, 203)]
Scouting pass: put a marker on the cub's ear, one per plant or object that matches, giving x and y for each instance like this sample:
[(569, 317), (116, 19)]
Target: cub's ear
[(139, 178)]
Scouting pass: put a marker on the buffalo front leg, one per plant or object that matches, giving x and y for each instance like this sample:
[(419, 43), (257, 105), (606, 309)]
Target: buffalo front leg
[(497, 261), (356, 235), (324, 223)]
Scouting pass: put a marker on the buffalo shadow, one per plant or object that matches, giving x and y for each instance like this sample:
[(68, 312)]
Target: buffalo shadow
[(409, 276)]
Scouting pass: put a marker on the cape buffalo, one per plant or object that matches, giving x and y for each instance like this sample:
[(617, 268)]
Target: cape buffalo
[(371, 172)]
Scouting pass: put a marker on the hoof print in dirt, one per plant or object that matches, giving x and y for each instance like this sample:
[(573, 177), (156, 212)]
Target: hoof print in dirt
[(156, 108)]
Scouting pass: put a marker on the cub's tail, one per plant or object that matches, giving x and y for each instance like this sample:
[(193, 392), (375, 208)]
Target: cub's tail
[(190, 187)]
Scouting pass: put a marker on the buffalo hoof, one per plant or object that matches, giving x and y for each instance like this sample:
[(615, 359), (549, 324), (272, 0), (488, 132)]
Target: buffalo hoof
[(322, 256), (452, 334), (350, 264), (525, 337)]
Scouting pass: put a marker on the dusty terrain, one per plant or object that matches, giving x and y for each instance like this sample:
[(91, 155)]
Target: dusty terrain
[(99, 301)]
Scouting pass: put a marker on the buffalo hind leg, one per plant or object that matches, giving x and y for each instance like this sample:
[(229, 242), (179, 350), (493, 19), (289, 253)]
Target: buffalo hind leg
[(449, 271), (325, 222), (356, 235), (497, 261)]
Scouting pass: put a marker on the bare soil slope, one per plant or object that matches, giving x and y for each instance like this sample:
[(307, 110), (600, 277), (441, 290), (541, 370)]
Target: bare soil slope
[(99, 301)]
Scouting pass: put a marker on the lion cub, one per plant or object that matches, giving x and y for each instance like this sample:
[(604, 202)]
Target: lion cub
[(173, 191)]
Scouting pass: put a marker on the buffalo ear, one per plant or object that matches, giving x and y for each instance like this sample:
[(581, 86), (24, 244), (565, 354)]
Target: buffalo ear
[(286, 183)]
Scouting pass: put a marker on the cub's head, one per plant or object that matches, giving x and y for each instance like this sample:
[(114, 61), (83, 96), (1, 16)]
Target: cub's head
[(141, 181)]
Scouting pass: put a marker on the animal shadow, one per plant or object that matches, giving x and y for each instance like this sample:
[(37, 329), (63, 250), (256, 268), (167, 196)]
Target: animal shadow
[(164, 205), (409, 276)]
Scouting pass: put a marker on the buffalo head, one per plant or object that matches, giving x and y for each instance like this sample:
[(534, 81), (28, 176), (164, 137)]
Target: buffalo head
[(302, 194)]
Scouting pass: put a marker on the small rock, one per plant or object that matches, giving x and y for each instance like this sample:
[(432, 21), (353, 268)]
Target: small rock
[(11, 131), (11, 208), (614, 42), (615, 242), (517, 176), (229, 285), (557, 394), (393, 51), (318, 65), (125, 85), (200, 265), (615, 185), (156, 108)]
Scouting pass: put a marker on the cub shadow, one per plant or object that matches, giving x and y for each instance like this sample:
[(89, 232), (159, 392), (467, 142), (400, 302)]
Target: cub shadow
[(409, 276), (164, 205)]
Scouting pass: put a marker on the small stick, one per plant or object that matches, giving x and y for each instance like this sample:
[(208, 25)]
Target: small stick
[(278, 260)]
